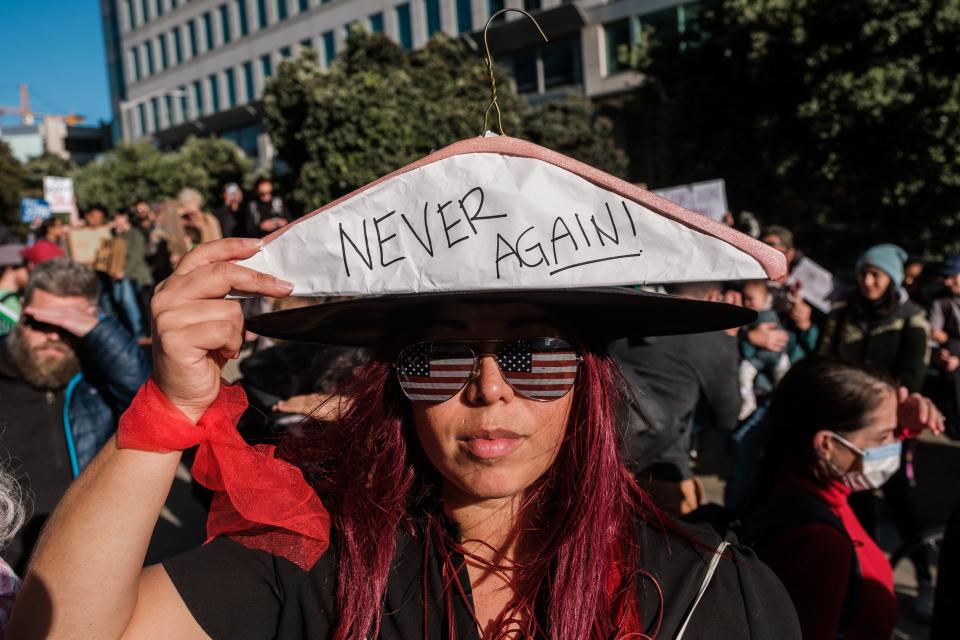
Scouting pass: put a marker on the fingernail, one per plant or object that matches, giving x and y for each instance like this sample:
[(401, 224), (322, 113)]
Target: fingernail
[(284, 283), (253, 242)]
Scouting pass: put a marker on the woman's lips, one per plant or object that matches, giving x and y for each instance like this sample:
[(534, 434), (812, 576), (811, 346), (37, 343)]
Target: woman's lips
[(492, 444)]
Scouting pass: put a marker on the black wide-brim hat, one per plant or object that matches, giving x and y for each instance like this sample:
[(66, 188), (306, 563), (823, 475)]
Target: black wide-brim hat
[(495, 220), (602, 314)]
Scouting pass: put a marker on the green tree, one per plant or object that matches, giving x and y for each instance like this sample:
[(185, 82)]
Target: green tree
[(378, 108), (47, 164), (11, 186), (572, 127), (219, 161), (838, 118), (132, 172)]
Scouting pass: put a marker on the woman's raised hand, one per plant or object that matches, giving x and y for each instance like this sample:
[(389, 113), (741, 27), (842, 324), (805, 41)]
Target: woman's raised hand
[(195, 329)]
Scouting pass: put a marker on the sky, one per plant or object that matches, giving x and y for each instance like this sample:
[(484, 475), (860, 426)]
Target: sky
[(56, 47)]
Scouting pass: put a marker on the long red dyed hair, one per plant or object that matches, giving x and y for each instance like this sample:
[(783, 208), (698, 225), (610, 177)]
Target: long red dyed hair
[(370, 472)]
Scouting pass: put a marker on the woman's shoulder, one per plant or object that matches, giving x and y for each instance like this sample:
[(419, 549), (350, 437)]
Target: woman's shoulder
[(723, 582)]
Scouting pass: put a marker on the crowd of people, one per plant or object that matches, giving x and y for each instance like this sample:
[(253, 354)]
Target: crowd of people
[(820, 409)]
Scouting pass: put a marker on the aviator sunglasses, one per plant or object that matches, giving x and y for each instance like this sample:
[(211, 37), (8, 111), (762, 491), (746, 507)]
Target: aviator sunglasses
[(536, 368)]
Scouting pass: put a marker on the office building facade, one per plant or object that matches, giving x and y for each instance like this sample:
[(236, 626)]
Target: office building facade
[(199, 67)]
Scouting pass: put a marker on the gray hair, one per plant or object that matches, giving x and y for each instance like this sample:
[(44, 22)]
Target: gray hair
[(13, 513), (63, 277)]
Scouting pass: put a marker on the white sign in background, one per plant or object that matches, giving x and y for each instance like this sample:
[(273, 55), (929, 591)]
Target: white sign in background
[(708, 198), (487, 221), (58, 192), (817, 285)]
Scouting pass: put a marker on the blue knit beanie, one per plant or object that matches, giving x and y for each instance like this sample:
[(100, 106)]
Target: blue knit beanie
[(951, 265), (889, 258)]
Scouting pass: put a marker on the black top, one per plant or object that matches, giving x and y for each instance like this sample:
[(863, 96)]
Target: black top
[(683, 375), (237, 593)]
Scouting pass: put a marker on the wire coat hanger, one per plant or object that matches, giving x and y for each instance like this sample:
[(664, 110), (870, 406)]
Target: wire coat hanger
[(494, 103)]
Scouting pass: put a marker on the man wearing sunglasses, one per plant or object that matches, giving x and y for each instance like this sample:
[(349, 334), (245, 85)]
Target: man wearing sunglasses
[(66, 374)]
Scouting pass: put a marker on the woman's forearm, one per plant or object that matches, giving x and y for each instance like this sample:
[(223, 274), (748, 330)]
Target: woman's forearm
[(85, 572)]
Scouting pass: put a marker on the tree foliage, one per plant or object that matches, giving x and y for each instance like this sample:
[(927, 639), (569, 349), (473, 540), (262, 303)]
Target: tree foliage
[(134, 172), (825, 115), (37, 168), (378, 108), (11, 185)]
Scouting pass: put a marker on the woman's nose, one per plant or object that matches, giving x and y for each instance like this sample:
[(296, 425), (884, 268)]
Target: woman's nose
[(487, 384)]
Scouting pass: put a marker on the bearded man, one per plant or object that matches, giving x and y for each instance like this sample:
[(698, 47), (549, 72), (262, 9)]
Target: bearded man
[(66, 375)]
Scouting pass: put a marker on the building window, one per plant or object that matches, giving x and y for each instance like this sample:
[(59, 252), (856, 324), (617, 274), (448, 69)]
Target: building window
[(306, 43), (242, 15), (198, 97), (155, 107), (262, 13), (168, 102), (248, 80), (266, 65), (142, 112), (329, 47), (497, 5), (159, 7), (214, 94), (303, 5), (404, 27), (531, 5), (129, 15), (192, 38), (561, 64), (162, 44), (464, 16), (665, 22), (376, 23), (208, 30), (231, 88), (137, 71), (144, 12), (225, 23), (281, 9), (619, 37), (433, 16), (149, 49), (177, 46), (285, 53), (184, 103), (174, 3), (524, 67)]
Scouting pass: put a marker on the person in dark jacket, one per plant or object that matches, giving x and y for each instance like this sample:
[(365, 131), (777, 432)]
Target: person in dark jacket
[(687, 376), (879, 325), (264, 214), (66, 375)]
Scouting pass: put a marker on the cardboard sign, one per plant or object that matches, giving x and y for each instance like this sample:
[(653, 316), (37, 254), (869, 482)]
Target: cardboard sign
[(33, 210), (708, 198), (84, 243), (58, 192), (817, 285), (488, 221)]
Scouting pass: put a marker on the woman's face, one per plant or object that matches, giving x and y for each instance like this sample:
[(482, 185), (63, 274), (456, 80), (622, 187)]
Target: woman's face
[(489, 442), (880, 429), (873, 282)]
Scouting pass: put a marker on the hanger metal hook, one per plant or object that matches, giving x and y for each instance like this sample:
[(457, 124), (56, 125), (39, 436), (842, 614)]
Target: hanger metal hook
[(494, 104)]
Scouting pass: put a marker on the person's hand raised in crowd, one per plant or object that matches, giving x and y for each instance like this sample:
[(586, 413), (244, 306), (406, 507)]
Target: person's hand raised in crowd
[(197, 331), (916, 413), (767, 335), (939, 335), (272, 224), (75, 316), (947, 361)]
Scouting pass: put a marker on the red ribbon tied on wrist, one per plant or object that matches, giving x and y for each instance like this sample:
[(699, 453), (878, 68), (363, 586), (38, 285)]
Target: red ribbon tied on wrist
[(262, 502)]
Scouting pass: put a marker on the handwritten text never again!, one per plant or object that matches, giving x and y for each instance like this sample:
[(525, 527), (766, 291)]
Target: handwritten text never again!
[(556, 246)]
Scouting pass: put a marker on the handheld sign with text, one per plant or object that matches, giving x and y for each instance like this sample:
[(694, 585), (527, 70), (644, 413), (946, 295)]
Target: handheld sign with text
[(58, 192), (817, 285), (708, 198), (33, 210)]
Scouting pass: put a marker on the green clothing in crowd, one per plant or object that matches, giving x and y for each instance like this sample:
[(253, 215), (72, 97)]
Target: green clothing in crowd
[(136, 268), (897, 343)]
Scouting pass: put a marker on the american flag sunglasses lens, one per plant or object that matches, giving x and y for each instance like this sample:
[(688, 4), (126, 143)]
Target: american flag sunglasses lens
[(537, 368)]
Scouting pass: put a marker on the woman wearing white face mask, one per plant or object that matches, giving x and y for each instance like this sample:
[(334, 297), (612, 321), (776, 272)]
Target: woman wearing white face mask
[(834, 429)]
